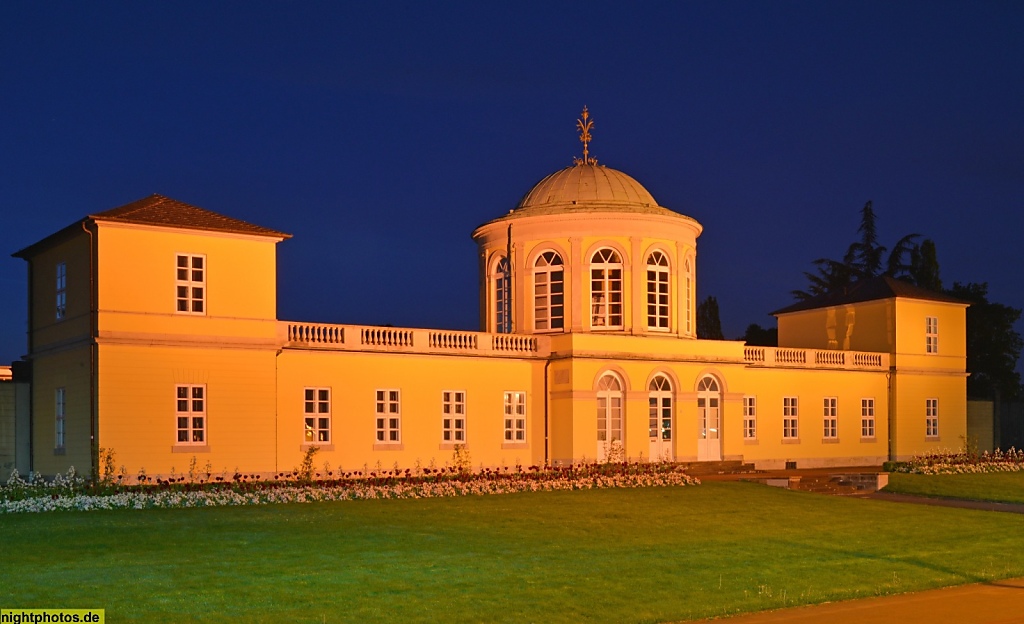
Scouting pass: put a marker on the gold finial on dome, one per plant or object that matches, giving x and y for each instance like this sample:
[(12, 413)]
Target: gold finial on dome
[(584, 125)]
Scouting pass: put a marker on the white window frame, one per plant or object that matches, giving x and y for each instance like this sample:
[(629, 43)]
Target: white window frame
[(931, 418), (830, 418), (59, 418), (453, 417), (190, 284), (316, 415), (388, 416), (790, 418), (931, 334), (658, 292), (749, 417), (62, 291), (867, 417), (548, 292), (190, 414), (606, 291), (515, 417)]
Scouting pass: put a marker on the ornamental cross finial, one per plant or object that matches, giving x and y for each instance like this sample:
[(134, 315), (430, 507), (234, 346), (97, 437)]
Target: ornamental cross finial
[(584, 125)]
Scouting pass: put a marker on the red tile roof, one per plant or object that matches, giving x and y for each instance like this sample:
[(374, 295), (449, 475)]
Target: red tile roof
[(160, 210)]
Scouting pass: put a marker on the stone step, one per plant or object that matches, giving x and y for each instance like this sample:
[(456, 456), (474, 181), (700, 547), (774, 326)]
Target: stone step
[(719, 468)]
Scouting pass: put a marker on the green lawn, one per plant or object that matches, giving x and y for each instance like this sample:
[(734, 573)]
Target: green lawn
[(1005, 487), (643, 555)]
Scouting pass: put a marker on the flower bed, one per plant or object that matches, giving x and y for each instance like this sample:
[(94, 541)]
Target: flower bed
[(71, 492), (963, 462)]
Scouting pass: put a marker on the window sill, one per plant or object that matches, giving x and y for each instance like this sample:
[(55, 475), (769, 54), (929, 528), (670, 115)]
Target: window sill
[(515, 445), (830, 440), (869, 440), (750, 441), (791, 440), (933, 438), (450, 446), (388, 446), (60, 451), (190, 448), (323, 446)]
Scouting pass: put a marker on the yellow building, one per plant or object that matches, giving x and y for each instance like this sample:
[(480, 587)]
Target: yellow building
[(153, 332)]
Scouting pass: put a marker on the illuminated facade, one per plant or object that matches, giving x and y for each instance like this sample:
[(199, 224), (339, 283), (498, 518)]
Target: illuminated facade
[(153, 332)]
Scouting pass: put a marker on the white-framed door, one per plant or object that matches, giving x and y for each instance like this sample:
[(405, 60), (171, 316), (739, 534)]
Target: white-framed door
[(709, 420), (660, 419), (609, 419)]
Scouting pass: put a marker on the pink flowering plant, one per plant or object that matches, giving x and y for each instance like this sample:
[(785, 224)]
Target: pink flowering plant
[(71, 492)]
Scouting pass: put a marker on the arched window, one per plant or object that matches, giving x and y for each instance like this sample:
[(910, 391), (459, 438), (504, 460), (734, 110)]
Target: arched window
[(606, 290), (609, 417), (657, 291), (688, 293), (502, 288), (548, 292)]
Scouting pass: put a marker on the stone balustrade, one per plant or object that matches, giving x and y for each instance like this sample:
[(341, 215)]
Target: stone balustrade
[(815, 358), (400, 339)]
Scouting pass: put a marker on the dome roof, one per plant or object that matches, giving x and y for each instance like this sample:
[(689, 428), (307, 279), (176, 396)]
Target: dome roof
[(587, 184)]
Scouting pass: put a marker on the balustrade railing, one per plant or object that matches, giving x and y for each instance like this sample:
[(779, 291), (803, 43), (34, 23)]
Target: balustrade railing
[(814, 358), (509, 342), (365, 338), (316, 333), (385, 337), (453, 340)]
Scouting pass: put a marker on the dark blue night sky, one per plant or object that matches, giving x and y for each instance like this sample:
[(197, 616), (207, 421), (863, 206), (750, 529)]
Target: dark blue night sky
[(381, 134)]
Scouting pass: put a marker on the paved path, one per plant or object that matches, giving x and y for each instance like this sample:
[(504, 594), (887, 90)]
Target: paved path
[(947, 502), (998, 602)]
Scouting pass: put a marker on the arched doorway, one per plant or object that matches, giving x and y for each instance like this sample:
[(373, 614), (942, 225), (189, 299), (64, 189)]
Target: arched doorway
[(609, 419), (709, 420), (660, 419)]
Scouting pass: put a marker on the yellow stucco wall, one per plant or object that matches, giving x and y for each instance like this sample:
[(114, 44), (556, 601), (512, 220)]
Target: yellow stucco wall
[(137, 284), (137, 407), (68, 369), (47, 330), (864, 326), (354, 378)]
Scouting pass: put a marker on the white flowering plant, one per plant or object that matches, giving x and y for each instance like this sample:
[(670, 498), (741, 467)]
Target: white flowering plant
[(70, 492), (964, 461)]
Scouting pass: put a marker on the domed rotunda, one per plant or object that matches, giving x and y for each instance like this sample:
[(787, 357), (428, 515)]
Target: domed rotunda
[(588, 249)]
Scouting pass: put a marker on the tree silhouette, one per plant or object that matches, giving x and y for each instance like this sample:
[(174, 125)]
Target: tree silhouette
[(709, 326), (864, 259)]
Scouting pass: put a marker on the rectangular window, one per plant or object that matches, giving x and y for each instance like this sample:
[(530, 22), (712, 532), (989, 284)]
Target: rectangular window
[(453, 417), (62, 294), (749, 417), (931, 418), (191, 284), (190, 412), (59, 418), (931, 334), (389, 417), (790, 418), (830, 415), (515, 417), (867, 418), (316, 409)]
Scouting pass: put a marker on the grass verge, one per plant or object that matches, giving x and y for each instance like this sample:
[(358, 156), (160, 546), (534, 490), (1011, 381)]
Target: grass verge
[(1002, 487), (629, 555)]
